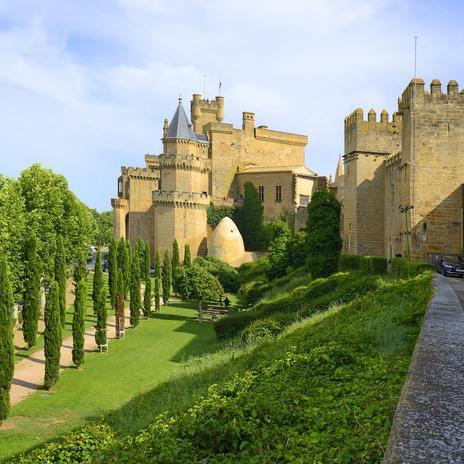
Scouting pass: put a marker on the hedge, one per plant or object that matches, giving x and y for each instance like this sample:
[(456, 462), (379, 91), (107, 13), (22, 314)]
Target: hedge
[(371, 264), (405, 268)]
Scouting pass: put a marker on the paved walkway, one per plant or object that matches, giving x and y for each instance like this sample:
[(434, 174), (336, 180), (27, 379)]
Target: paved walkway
[(428, 425), (29, 373)]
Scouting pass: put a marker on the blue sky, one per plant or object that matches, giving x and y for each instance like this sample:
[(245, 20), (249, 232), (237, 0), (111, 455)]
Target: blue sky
[(85, 84)]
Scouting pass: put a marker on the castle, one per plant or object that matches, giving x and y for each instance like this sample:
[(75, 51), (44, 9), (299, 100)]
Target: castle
[(209, 161), (402, 186)]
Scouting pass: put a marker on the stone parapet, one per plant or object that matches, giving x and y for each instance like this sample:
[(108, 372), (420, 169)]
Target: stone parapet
[(185, 162), (181, 199), (140, 173), (119, 203)]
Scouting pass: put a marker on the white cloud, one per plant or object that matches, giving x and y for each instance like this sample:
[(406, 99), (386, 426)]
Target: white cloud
[(84, 107)]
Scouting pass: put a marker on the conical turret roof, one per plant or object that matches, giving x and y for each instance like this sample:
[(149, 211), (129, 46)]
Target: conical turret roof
[(180, 127)]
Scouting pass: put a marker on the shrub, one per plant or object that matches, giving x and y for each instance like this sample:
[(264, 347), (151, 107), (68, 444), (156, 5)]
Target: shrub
[(228, 327), (77, 446), (378, 265), (195, 282), (323, 241), (253, 270), (261, 328), (349, 262), (216, 213), (404, 268), (278, 250), (254, 291), (226, 274)]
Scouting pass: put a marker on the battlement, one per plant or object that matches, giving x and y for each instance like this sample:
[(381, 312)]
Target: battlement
[(181, 199), (203, 111), (185, 162), (118, 203), (139, 173), (416, 91), (372, 135)]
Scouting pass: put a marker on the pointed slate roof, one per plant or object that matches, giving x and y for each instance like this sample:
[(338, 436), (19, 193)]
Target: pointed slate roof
[(180, 127)]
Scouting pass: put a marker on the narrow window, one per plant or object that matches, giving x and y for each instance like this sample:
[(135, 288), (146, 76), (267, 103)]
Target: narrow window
[(261, 193), (278, 193)]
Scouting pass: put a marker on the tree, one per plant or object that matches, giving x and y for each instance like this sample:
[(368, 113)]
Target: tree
[(147, 297), (195, 282), (113, 272), (146, 262), (249, 218), (166, 278), (78, 325), (61, 276), (124, 264), (175, 262), (97, 283), (140, 251), (6, 338), (135, 290), (103, 227), (127, 270), (52, 336), (80, 269), (215, 214), (32, 291), (278, 256), (157, 281), (187, 255), (323, 241), (120, 305), (100, 332)]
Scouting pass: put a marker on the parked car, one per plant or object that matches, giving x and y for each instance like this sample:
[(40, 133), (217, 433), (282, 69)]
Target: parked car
[(450, 265)]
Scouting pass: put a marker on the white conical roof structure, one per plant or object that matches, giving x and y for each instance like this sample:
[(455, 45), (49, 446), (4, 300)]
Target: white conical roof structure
[(226, 242)]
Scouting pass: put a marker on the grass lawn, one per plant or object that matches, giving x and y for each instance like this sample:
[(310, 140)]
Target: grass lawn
[(90, 320), (146, 358)]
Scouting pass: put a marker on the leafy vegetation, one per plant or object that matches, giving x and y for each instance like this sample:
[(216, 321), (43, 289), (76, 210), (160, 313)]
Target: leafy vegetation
[(325, 390), (323, 241), (52, 337), (216, 213), (195, 282), (227, 275), (405, 268)]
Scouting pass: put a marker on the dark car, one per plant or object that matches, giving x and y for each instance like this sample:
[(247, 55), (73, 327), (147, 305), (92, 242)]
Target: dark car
[(450, 265)]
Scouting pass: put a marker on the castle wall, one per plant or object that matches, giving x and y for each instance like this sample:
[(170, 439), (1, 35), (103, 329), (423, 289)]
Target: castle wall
[(367, 143), (232, 149), (180, 216), (393, 198), (433, 144)]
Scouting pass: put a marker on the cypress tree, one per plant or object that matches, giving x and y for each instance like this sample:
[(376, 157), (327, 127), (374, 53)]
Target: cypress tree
[(78, 324), (62, 278), (127, 269), (147, 261), (187, 255), (323, 241), (120, 305), (32, 291), (113, 272), (100, 333), (124, 264), (52, 336), (97, 282), (140, 250), (6, 338), (80, 269), (147, 297), (175, 258), (249, 218), (157, 281), (166, 278), (135, 290)]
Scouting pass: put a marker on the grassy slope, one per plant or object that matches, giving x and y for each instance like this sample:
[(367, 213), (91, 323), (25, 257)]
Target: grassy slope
[(331, 403), (144, 359)]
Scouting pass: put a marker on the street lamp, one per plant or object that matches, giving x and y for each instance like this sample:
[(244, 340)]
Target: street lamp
[(404, 210)]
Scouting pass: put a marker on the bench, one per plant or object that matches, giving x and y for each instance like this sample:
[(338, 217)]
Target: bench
[(212, 311)]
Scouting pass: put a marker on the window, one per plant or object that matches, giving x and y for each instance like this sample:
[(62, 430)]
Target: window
[(278, 193), (304, 200), (120, 188), (261, 193)]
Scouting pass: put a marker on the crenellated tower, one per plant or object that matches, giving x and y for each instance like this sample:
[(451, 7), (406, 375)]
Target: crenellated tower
[(203, 111), (367, 144)]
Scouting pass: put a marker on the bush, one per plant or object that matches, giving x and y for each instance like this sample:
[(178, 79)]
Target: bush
[(225, 273), (78, 446), (349, 262), (370, 264), (195, 282), (404, 268), (228, 327), (261, 328), (253, 270), (216, 213), (254, 291)]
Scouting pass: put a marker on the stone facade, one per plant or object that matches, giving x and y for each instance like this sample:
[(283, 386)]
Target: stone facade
[(414, 161), (206, 162)]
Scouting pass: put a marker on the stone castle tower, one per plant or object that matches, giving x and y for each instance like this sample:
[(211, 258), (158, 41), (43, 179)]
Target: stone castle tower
[(403, 180), (205, 162)]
